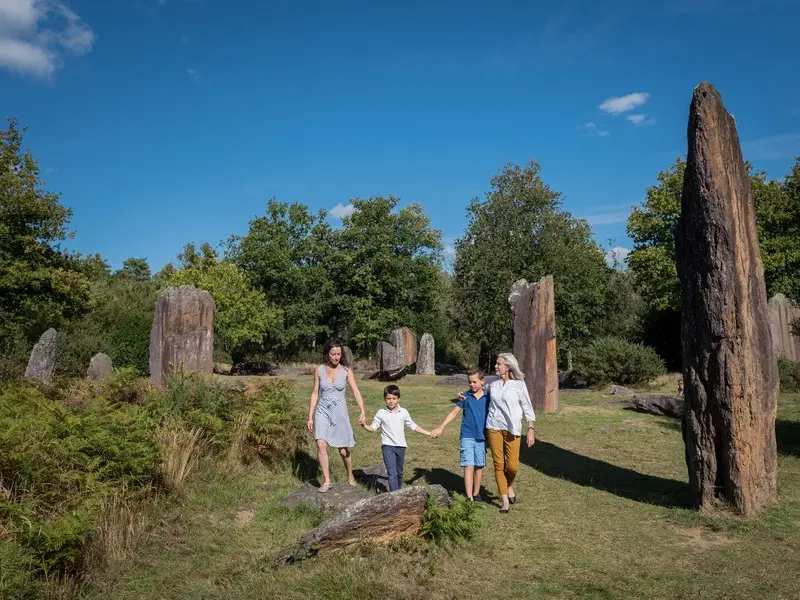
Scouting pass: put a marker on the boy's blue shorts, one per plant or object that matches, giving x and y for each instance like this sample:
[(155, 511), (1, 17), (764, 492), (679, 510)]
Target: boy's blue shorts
[(473, 452)]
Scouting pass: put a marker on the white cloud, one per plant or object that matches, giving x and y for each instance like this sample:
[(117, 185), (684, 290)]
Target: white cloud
[(36, 34), (617, 257), (621, 104), (340, 211), (592, 129), (639, 119)]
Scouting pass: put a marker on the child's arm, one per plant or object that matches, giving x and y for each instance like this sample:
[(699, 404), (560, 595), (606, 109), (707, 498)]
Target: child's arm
[(413, 426), (376, 422), (451, 415)]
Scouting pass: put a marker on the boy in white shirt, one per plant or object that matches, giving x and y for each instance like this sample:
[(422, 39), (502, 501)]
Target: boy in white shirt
[(391, 420)]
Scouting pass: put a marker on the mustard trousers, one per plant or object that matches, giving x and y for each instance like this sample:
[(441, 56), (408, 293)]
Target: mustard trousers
[(505, 455)]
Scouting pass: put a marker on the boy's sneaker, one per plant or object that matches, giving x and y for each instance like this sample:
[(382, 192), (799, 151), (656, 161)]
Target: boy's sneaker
[(477, 499)]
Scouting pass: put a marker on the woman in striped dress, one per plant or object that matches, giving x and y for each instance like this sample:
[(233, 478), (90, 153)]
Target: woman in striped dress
[(327, 412)]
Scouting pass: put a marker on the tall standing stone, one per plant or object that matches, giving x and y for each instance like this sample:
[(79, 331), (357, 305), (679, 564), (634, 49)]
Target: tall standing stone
[(100, 367), (182, 336), (781, 315), (42, 362), (534, 322), (347, 357), (405, 343), (387, 359), (426, 359), (729, 368)]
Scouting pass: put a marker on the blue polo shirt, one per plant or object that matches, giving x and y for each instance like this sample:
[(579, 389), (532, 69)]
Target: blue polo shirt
[(473, 421)]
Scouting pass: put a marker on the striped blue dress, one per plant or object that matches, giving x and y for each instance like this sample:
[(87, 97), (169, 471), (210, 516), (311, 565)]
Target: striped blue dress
[(331, 421)]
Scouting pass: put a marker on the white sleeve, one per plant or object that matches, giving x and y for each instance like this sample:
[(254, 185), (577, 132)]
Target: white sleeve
[(525, 402), (376, 422), (409, 422)]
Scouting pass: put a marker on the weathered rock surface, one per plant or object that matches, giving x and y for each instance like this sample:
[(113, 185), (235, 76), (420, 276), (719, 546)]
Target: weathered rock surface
[(781, 314), (347, 357), (182, 336), (100, 367), (657, 404), (534, 322), (222, 368), (729, 367), (390, 366), (377, 519), (618, 390), (42, 362), (459, 380), (426, 359), (373, 477), (405, 344), (339, 496)]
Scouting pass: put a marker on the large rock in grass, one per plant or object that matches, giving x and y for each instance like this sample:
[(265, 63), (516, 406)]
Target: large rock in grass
[(405, 344), (390, 366), (534, 323), (377, 519), (658, 404), (182, 337), (729, 368), (42, 362), (426, 359), (339, 496), (100, 367), (782, 313), (347, 357)]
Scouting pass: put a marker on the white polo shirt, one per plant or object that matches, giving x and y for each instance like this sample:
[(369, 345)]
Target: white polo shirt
[(391, 424)]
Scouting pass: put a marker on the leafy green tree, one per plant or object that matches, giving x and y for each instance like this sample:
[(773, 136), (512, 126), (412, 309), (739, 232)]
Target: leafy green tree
[(287, 254), (652, 229), (117, 322), (519, 231), (134, 268), (243, 314), (387, 272), (40, 284)]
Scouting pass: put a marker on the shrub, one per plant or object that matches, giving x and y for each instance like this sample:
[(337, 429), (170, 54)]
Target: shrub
[(277, 427), (789, 375), (455, 523), (16, 565), (614, 360), (58, 464)]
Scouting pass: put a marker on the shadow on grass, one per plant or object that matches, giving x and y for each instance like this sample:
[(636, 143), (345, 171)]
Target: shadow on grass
[(787, 434), (450, 481), (305, 467), (627, 483)]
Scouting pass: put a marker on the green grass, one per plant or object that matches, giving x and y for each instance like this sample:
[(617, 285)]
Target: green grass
[(602, 514)]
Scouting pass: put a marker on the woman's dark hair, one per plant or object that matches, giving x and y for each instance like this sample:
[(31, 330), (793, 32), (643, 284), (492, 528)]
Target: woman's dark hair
[(329, 345)]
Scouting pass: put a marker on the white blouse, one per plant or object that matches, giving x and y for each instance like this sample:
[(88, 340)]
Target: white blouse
[(508, 403)]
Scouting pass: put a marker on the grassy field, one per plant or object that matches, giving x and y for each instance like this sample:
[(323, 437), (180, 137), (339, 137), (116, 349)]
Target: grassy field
[(603, 513)]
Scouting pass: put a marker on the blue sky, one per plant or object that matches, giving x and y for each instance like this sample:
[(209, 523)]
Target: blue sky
[(169, 121)]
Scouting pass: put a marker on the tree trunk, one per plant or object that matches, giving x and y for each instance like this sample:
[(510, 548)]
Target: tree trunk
[(729, 368)]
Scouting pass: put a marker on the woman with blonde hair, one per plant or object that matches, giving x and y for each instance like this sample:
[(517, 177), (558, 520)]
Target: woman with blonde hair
[(509, 401)]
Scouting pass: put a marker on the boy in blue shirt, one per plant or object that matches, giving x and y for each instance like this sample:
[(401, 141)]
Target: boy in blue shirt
[(473, 438)]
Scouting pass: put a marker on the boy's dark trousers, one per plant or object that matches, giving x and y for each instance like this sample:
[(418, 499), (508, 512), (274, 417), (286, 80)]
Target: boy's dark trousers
[(393, 458)]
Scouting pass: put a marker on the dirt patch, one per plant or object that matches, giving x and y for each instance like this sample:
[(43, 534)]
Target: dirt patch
[(704, 539), (244, 516)]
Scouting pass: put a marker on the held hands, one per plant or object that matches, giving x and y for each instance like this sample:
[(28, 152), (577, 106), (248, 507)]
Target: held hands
[(362, 418), (435, 433)]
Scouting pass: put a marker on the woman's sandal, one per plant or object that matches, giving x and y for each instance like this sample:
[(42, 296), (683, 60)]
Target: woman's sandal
[(512, 499), (352, 482), (324, 487)]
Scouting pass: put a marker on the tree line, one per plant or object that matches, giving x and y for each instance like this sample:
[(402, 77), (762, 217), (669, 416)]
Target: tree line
[(293, 280)]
